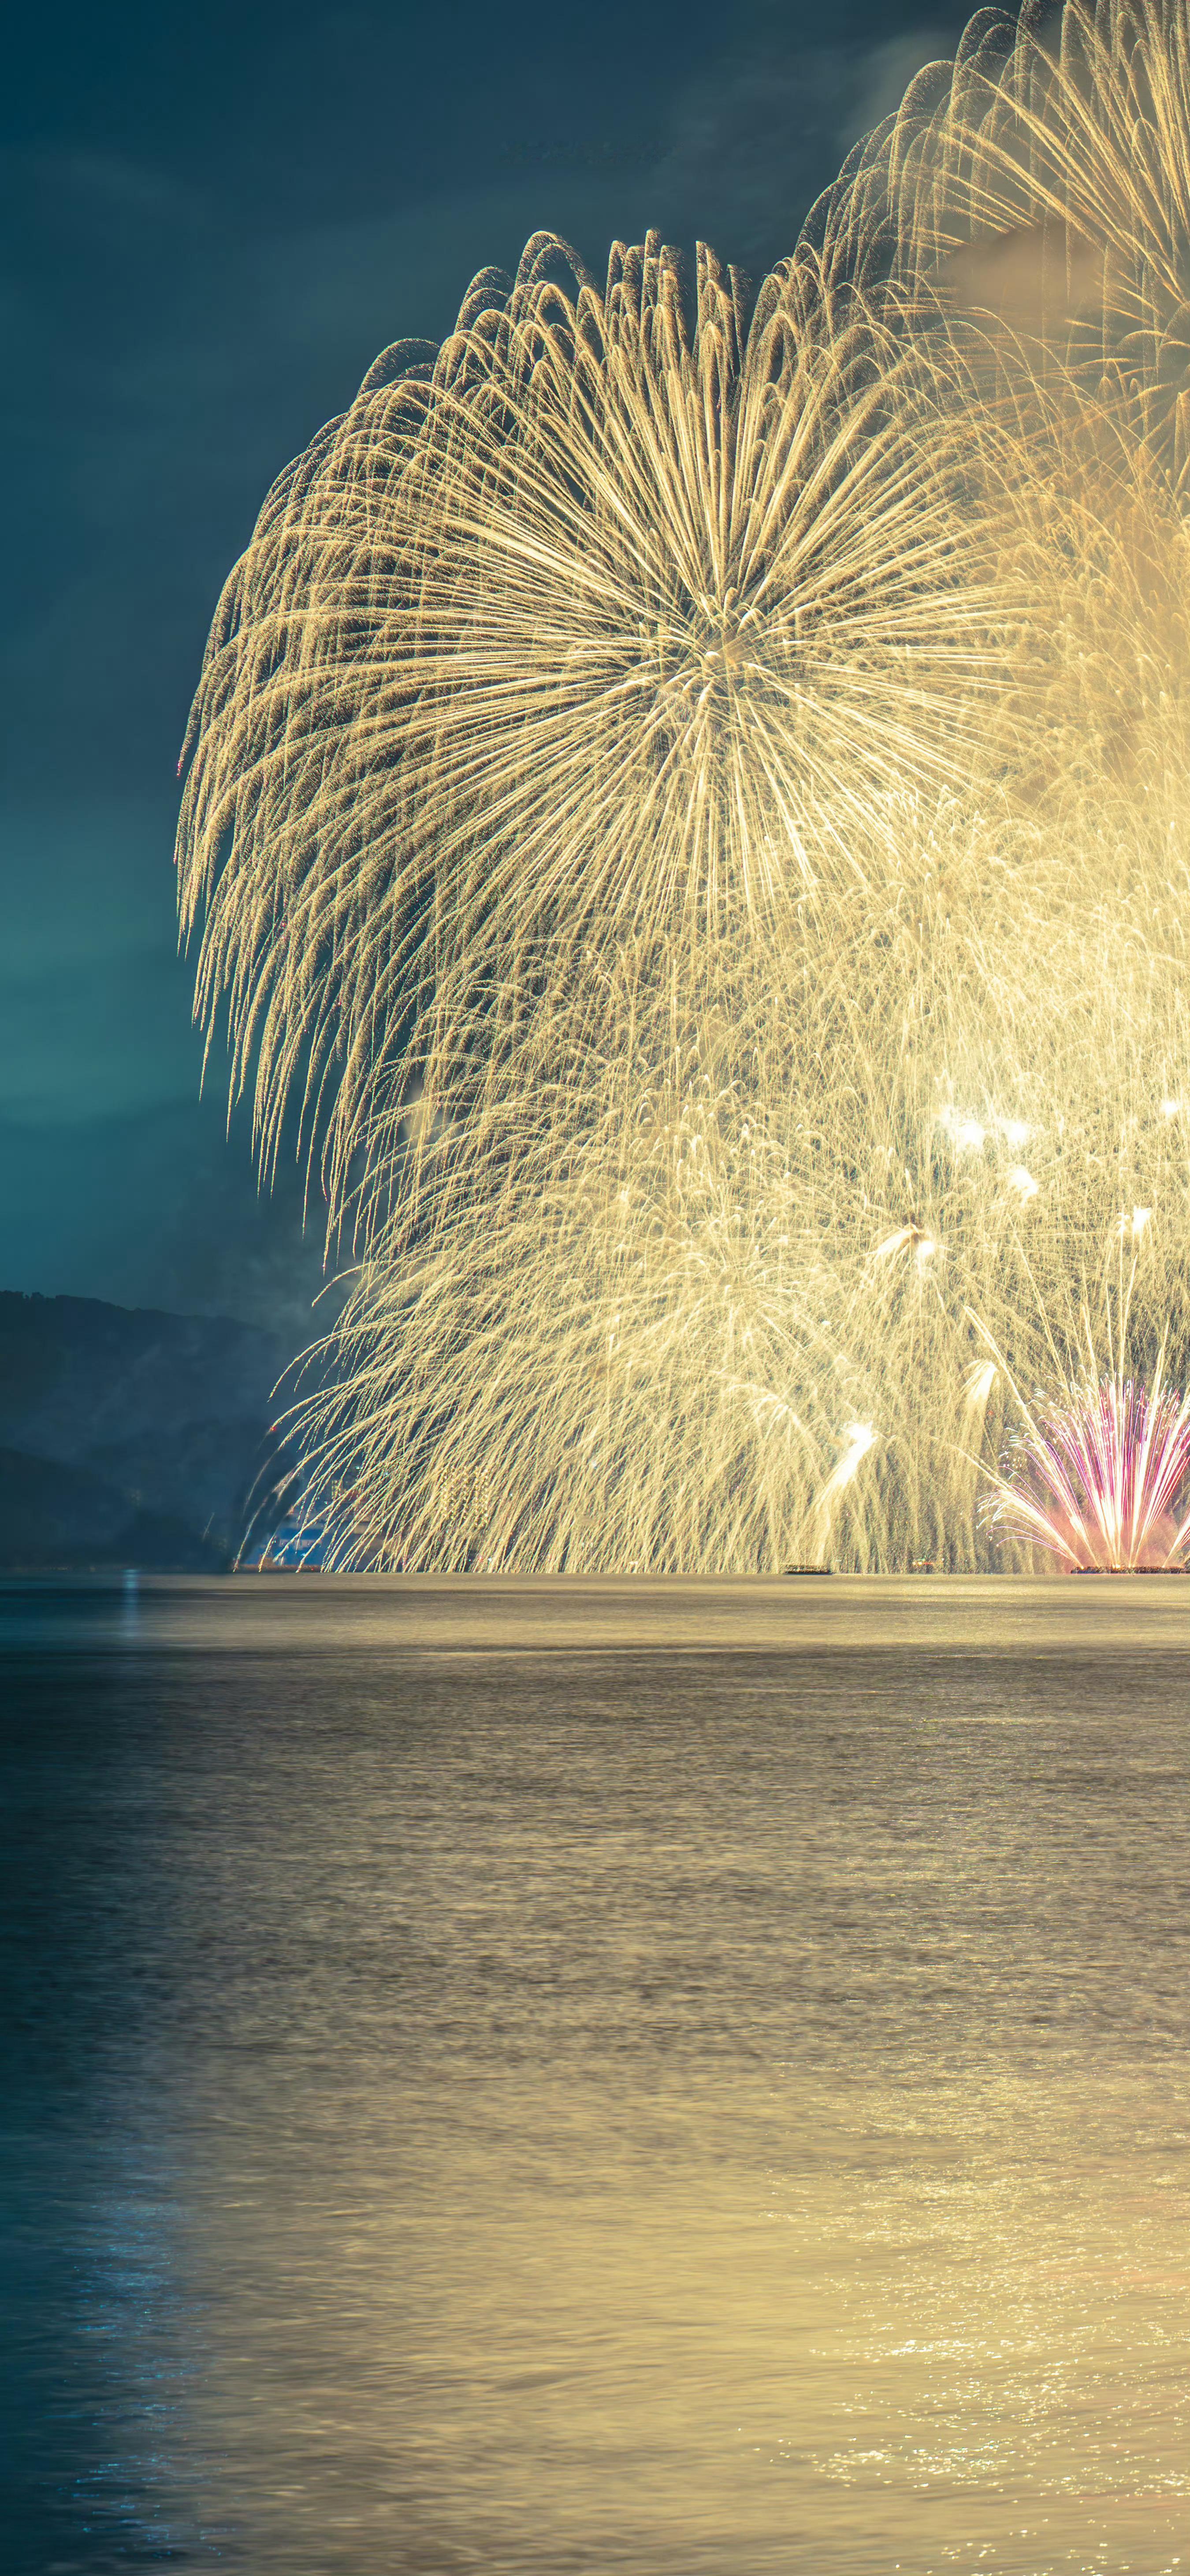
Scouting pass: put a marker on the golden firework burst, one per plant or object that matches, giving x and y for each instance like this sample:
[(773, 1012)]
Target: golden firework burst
[(690, 806), (614, 623)]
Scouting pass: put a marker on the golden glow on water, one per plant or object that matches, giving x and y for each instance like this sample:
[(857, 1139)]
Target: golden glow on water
[(755, 2322), (580, 2076), (703, 2111)]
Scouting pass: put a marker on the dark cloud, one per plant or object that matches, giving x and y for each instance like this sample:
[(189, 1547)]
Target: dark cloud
[(759, 130)]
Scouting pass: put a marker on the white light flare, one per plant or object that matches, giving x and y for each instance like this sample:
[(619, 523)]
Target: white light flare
[(1134, 1227)]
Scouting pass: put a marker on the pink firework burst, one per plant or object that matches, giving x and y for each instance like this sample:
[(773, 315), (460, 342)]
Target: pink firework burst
[(1100, 1478)]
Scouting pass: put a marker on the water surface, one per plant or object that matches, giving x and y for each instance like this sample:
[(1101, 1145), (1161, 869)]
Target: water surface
[(554, 2079)]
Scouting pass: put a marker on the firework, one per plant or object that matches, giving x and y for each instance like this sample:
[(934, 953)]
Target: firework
[(643, 1336), (606, 628), (1096, 1474), (1032, 201), (691, 813), (1042, 181), (1100, 1477)]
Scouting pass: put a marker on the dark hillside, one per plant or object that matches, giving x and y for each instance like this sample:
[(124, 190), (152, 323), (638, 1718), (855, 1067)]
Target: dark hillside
[(150, 1429)]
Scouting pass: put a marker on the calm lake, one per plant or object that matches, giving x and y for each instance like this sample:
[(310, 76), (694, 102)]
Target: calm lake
[(559, 2078)]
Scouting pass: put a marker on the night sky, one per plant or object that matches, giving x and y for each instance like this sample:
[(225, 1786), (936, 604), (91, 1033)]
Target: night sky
[(214, 219)]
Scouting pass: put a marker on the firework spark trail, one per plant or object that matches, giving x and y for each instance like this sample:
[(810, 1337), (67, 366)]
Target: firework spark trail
[(695, 816)]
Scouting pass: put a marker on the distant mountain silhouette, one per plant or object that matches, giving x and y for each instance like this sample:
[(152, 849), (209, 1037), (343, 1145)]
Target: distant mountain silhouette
[(129, 1437)]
